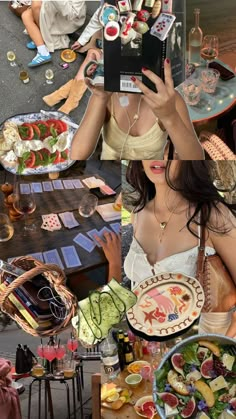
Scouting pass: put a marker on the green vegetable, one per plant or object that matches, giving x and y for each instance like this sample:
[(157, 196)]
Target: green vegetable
[(190, 354), (53, 141), (53, 131)]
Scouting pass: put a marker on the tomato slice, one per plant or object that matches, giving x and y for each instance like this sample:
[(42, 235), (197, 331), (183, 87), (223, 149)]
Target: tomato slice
[(38, 159), (56, 124), (30, 162), (64, 126), (36, 131), (44, 129), (57, 157), (26, 131)]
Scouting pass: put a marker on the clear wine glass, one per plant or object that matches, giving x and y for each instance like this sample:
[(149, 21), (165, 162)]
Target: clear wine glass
[(11, 56), (146, 372), (210, 48), (24, 203), (49, 75)]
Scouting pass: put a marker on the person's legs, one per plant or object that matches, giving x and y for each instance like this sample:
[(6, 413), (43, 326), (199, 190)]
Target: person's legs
[(32, 27), (43, 56), (36, 7)]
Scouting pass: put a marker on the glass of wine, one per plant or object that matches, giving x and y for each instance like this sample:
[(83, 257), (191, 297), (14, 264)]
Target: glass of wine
[(11, 56), (49, 75), (6, 228), (210, 48), (24, 203)]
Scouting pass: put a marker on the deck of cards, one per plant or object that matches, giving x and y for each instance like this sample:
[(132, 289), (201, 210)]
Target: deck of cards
[(51, 222)]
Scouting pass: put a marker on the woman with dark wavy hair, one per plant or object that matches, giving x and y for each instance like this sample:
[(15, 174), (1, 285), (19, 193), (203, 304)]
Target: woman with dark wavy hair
[(173, 201)]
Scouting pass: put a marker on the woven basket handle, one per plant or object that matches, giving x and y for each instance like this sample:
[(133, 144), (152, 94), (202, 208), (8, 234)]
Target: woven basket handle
[(31, 274)]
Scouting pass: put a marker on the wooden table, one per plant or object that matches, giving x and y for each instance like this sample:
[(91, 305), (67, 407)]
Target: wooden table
[(57, 201), (127, 410)]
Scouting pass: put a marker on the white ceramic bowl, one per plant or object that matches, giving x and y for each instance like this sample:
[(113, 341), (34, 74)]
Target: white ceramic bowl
[(210, 337), (133, 380)]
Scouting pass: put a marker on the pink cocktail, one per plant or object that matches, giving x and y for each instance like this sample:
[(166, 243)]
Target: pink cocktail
[(72, 344), (49, 352), (40, 351), (60, 352)]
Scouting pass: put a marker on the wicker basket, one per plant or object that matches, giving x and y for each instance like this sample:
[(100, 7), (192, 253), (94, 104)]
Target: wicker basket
[(55, 277)]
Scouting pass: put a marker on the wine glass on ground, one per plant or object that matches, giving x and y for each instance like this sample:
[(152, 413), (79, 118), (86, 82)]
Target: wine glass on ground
[(11, 56), (49, 75), (50, 355), (210, 48), (24, 203)]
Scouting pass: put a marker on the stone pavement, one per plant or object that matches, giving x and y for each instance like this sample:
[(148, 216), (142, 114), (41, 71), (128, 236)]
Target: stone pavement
[(16, 97)]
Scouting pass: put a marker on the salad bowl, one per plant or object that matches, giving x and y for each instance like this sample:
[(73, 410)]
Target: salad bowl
[(197, 379)]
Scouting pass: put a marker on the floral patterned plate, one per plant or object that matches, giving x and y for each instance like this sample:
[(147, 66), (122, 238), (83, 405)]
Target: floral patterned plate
[(31, 118), (167, 304)]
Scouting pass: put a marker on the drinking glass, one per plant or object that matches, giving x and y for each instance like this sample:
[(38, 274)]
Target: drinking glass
[(192, 91), (11, 56), (40, 351), (49, 354), (49, 75), (38, 370), (146, 373), (87, 205), (60, 351), (6, 228), (69, 369), (209, 79), (210, 48), (72, 344), (24, 203)]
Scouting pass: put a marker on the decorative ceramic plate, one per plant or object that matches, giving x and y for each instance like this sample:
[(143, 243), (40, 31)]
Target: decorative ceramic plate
[(48, 166), (135, 367), (68, 55), (167, 304)]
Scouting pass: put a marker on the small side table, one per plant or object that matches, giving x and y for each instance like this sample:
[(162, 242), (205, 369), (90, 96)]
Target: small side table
[(48, 403)]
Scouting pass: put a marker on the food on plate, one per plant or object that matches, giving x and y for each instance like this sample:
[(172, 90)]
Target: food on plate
[(135, 367), (114, 397), (34, 144), (145, 407), (198, 381)]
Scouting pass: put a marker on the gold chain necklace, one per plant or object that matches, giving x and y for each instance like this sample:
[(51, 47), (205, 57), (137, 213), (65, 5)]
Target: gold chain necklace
[(163, 224)]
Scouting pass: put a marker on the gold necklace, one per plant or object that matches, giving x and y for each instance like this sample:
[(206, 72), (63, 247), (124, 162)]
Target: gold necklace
[(163, 224)]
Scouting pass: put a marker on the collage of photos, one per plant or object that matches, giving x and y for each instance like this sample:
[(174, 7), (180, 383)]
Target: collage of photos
[(117, 209)]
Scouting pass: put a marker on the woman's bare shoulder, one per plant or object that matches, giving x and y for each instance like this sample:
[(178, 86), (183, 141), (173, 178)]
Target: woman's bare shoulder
[(222, 220)]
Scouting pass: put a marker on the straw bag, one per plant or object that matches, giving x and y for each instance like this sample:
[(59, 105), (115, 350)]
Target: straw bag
[(218, 286), (56, 278)]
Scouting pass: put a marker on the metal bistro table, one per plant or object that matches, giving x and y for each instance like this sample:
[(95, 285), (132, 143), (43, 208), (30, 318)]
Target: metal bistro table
[(58, 201), (48, 403), (212, 106)]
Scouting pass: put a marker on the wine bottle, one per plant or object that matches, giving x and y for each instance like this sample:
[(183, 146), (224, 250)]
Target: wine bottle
[(195, 41), (110, 358), (128, 351), (121, 349)]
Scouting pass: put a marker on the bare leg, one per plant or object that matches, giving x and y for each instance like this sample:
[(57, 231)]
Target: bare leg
[(36, 6), (32, 28), (92, 54)]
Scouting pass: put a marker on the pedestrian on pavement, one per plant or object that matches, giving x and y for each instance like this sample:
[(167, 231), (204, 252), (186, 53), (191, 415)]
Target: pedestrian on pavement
[(48, 24)]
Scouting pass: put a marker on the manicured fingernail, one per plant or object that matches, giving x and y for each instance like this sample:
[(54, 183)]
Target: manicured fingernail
[(133, 78), (144, 68), (167, 61)]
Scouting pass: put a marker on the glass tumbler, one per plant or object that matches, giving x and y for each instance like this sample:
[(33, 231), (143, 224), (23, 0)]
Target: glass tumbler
[(87, 205), (6, 228), (192, 91), (209, 78)]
